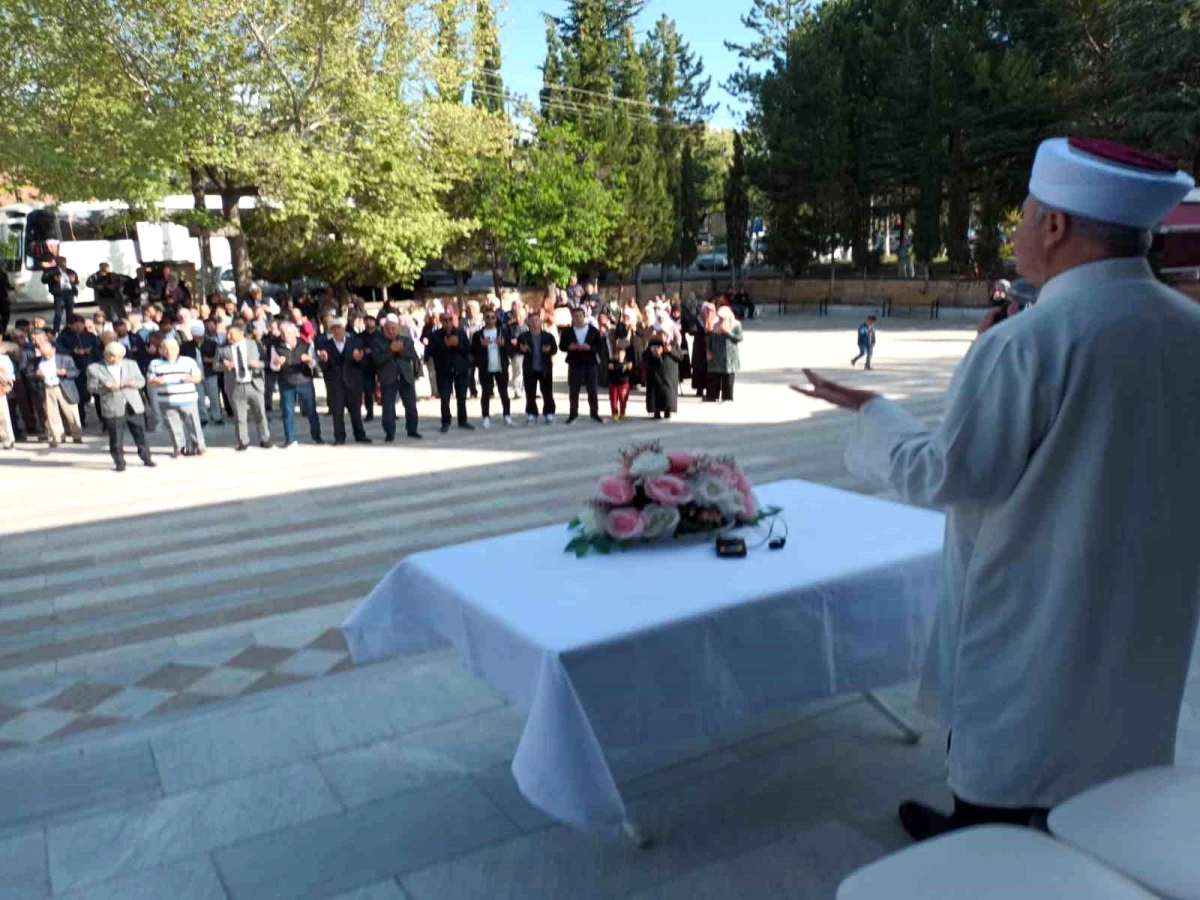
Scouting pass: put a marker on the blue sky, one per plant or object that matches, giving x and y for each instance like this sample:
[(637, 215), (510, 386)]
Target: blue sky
[(705, 24)]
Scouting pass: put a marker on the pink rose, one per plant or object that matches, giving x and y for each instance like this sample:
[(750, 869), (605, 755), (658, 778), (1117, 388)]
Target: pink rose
[(624, 524), (615, 490), (667, 490), (724, 471), (681, 461), (749, 505)]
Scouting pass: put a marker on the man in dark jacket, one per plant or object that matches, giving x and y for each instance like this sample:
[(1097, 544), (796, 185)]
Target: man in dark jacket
[(343, 379), (582, 343), (109, 289), (451, 358), (85, 349), (490, 354), (538, 348), (395, 356), (63, 284)]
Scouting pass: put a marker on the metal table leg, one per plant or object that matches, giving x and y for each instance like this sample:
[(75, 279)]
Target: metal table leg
[(906, 728)]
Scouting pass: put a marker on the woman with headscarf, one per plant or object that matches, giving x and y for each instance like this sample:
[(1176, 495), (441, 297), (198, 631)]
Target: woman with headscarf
[(662, 369), (703, 323), (724, 360)]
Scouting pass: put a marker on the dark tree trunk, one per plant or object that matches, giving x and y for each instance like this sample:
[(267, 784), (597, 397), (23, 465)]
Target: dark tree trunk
[(243, 273), (207, 282)]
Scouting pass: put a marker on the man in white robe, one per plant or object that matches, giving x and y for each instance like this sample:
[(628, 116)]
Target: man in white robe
[(1066, 463)]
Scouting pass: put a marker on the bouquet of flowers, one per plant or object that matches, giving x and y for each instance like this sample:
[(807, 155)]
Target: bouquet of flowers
[(659, 495)]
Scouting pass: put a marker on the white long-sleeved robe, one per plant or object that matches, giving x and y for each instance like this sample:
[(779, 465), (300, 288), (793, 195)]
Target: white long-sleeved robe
[(1068, 464)]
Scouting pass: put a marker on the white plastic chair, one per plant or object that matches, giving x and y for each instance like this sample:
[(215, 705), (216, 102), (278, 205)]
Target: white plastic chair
[(1145, 824), (991, 862)]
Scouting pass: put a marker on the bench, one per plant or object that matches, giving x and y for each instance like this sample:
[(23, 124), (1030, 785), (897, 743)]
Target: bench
[(911, 303)]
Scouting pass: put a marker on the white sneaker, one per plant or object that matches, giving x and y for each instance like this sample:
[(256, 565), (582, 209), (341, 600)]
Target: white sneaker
[(508, 421), (548, 419), (530, 419), (486, 423)]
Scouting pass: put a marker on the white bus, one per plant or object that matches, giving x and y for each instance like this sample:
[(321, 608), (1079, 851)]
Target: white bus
[(87, 234)]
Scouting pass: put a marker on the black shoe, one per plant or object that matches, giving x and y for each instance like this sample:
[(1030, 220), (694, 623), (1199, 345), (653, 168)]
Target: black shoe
[(150, 464), (241, 447), (414, 435), (220, 423), (121, 467), (320, 440), (924, 822), (337, 442), (445, 427), (571, 419), (597, 419), (466, 426), (369, 417), (666, 415), (362, 439), (389, 438), (657, 417), (266, 445)]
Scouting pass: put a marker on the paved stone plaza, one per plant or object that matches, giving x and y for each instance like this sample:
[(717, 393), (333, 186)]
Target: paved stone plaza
[(179, 717)]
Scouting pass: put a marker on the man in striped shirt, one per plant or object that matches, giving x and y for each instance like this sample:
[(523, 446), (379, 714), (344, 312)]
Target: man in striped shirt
[(174, 379)]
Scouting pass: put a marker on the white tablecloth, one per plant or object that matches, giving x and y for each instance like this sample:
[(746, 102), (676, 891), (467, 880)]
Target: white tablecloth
[(663, 644)]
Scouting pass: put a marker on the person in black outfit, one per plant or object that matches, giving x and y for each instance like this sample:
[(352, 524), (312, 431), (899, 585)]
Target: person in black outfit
[(451, 359), (395, 356), (343, 380), (85, 349), (537, 369), (367, 340), (662, 375), (582, 343), (109, 289)]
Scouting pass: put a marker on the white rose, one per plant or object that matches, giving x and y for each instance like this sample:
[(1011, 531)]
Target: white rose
[(709, 490), (730, 505), (649, 463), (592, 521), (661, 521)]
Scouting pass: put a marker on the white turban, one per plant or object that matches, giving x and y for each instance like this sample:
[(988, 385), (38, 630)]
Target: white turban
[(1107, 182)]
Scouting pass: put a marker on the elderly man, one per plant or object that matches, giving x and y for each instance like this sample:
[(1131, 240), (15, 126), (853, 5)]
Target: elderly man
[(343, 379), (451, 354), (174, 379), (118, 381), (294, 363), (1065, 464), (241, 360), (395, 354), (54, 373)]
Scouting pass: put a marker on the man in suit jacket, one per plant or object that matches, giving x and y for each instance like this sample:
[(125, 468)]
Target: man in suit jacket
[(451, 356), (85, 348), (117, 381), (395, 354), (538, 348), (343, 380), (582, 343), (109, 290), (63, 284), (242, 361), (54, 374)]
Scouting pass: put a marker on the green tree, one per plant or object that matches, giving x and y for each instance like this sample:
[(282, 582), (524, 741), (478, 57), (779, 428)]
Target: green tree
[(547, 209), (737, 207), (488, 92)]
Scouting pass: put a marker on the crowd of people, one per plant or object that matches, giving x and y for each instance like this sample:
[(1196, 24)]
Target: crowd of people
[(193, 366)]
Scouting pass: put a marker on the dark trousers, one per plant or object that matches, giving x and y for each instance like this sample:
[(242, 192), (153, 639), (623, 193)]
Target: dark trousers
[(342, 400), (453, 379), (471, 385), (720, 385), (582, 375), (368, 393), (5, 315), (868, 352), (534, 380), (64, 308), (493, 380), (225, 402), (31, 411), (116, 434), (408, 396), (288, 395), (269, 380)]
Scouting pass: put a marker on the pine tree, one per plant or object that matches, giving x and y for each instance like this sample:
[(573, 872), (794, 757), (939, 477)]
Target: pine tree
[(488, 91), (553, 75), (737, 207)]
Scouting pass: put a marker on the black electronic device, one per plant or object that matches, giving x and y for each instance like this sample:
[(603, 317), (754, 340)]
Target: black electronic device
[(731, 547)]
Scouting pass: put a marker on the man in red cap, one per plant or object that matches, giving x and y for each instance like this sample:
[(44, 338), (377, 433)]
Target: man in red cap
[(1065, 463)]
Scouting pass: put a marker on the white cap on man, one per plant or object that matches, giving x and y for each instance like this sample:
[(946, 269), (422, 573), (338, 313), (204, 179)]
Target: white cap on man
[(392, 319), (1107, 182), (197, 329)]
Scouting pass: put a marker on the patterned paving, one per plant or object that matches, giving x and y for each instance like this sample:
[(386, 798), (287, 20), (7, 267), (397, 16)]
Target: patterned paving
[(127, 596)]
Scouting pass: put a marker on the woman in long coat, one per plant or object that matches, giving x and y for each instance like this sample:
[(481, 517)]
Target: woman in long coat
[(703, 324), (662, 374), (724, 360)]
